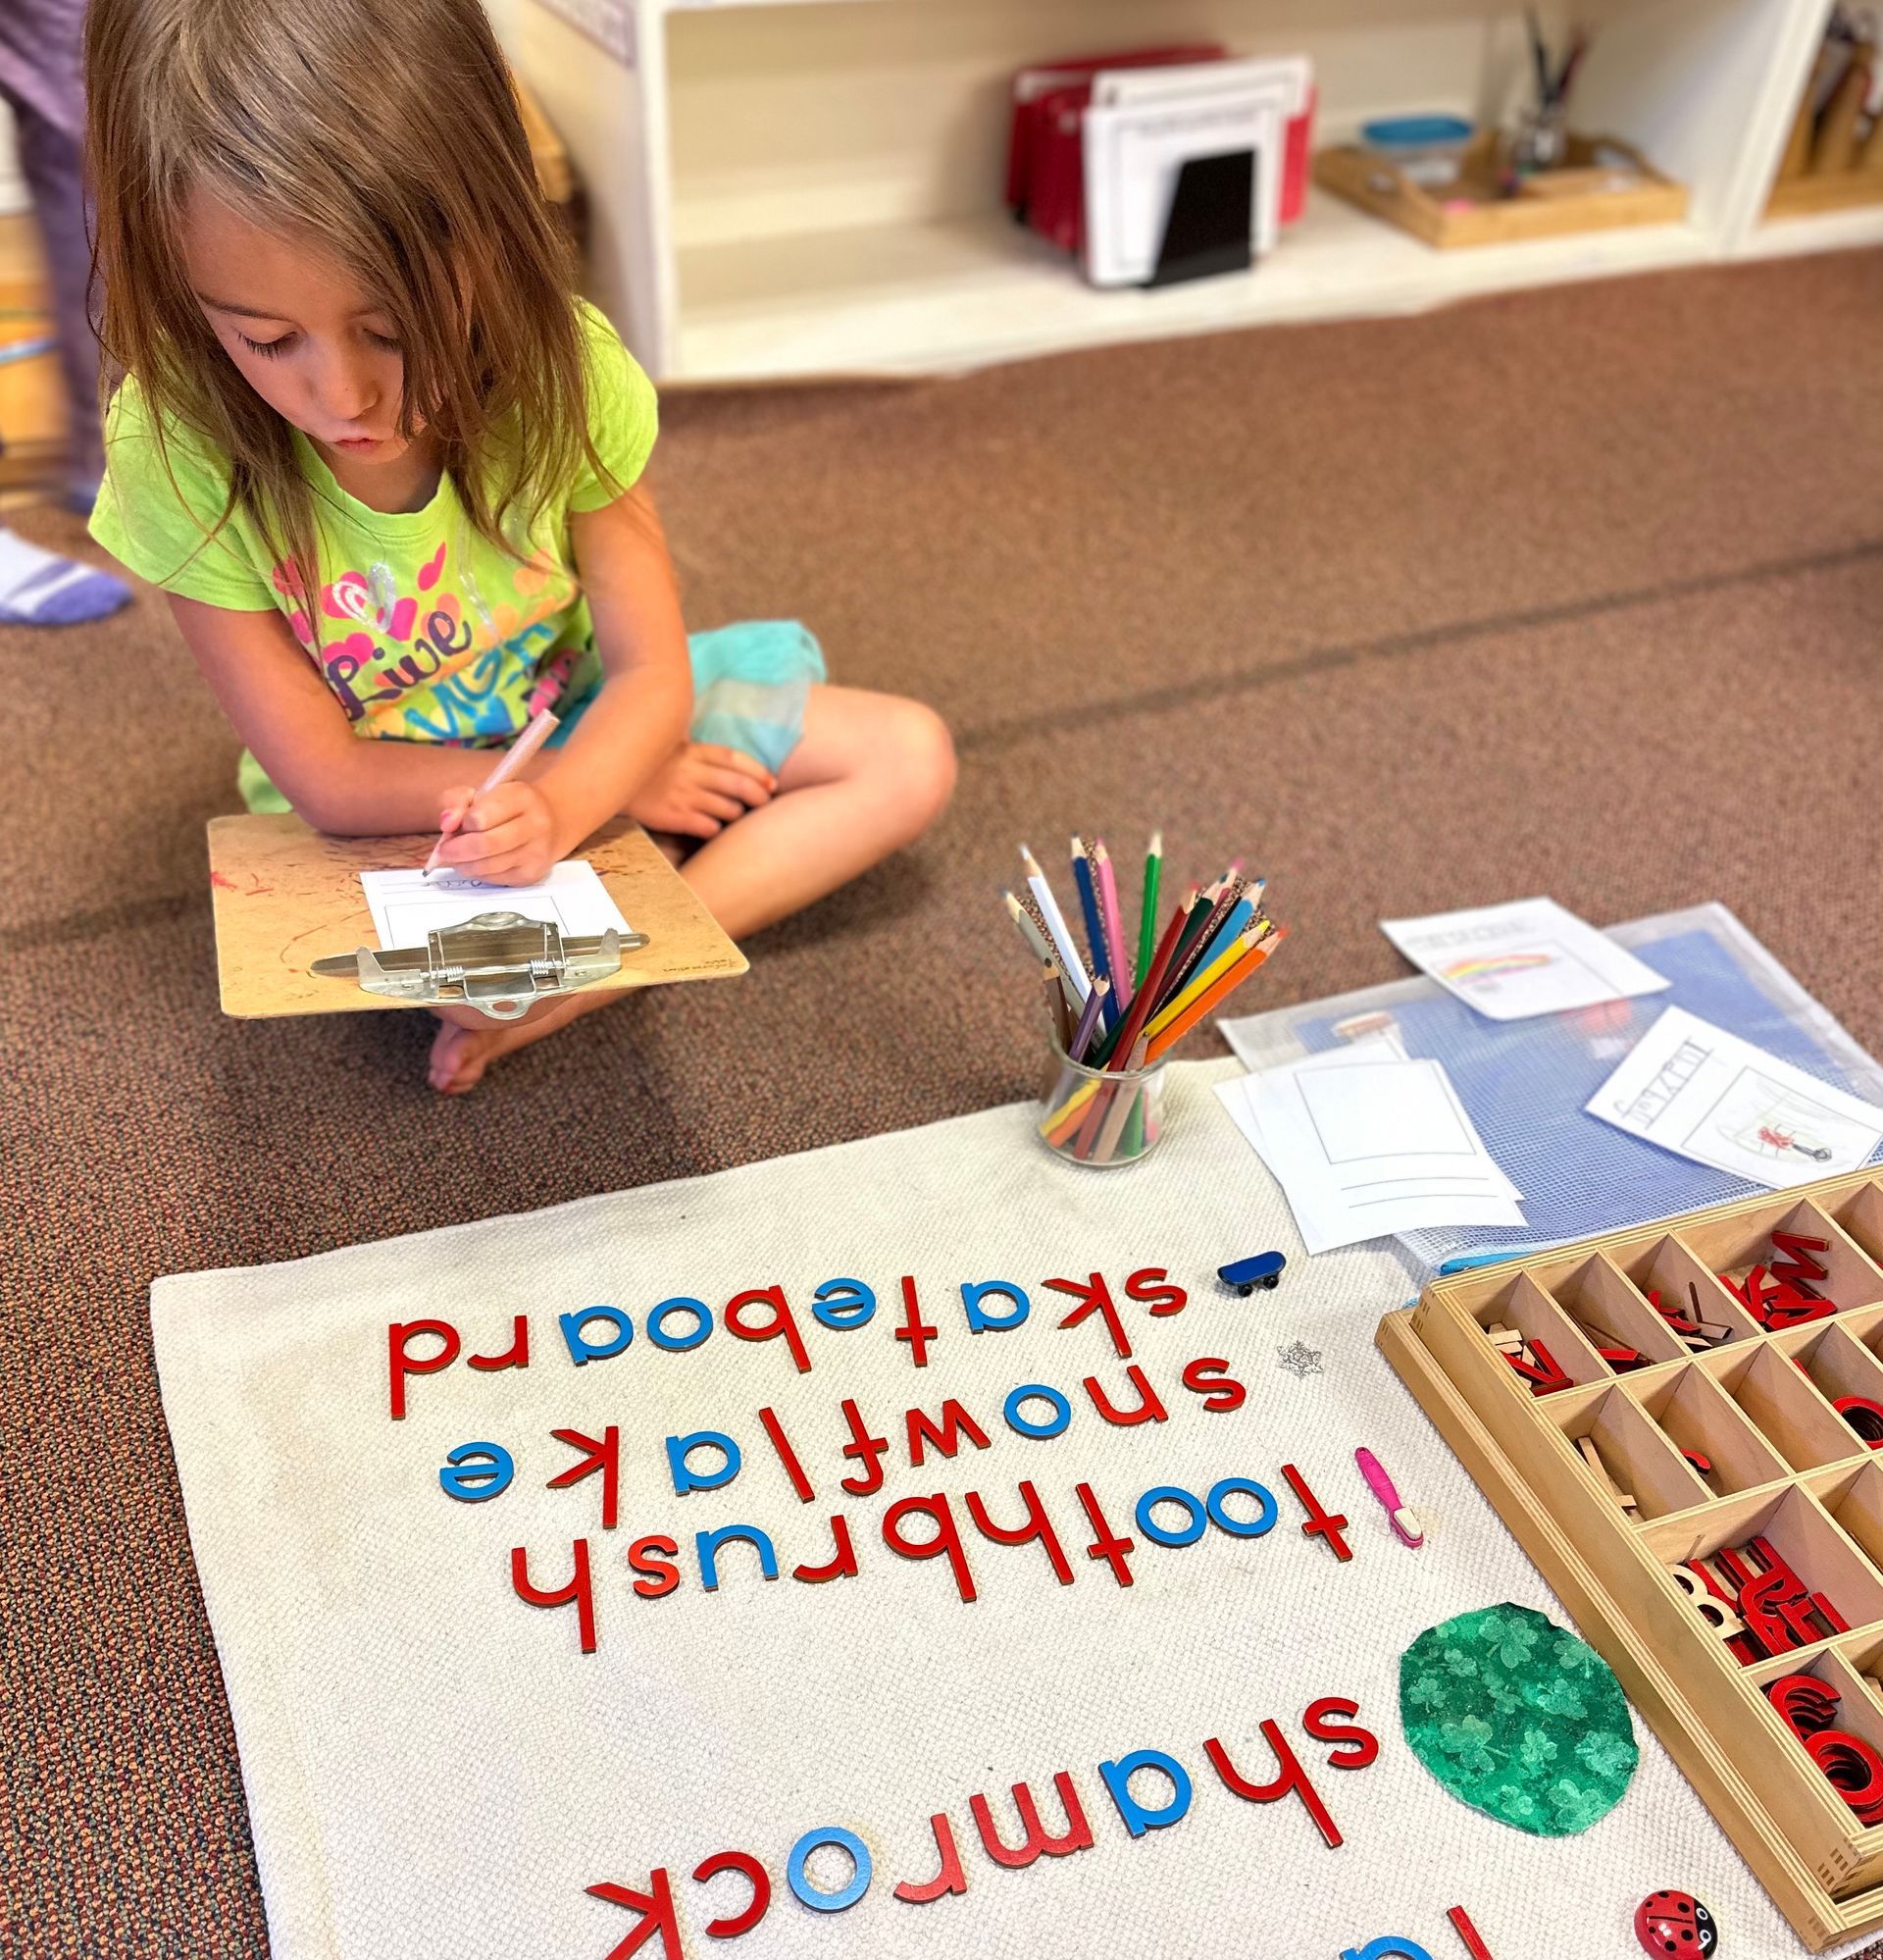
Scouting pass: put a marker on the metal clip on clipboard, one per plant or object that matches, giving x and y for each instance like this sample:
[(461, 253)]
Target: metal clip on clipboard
[(499, 963)]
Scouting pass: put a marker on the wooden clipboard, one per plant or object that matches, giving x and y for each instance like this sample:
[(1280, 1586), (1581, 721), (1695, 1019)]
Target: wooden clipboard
[(285, 896)]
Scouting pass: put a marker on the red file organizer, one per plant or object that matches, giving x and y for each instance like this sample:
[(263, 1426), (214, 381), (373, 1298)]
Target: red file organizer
[(1045, 156)]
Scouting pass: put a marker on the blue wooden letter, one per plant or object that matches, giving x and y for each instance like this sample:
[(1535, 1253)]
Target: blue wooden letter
[(686, 1477), (974, 1291), (1139, 1820), (474, 1472), (581, 1348)]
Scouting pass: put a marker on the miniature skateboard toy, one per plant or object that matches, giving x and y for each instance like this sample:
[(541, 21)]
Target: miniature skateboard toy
[(1247, 1274)]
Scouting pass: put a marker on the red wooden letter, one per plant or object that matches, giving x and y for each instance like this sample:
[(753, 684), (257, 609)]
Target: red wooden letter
[(780, 1322), (945, 1435), (656, 1908), (1077, 1836), (1361, 1744), (1106, 1545), (787, 1456), (402, 1364), (1148, 1409), (603, 1456), (654, 1558), (842, 1566), (1160, 1296), (867, 1450), (749, 1869), (947, 1540), (914, 1329), (1219, 1397), (950, 1878), (1327, 1524), (1096, 1298), (516, 1355), (1038, 1525), (578, 1589), (1293, 1777)]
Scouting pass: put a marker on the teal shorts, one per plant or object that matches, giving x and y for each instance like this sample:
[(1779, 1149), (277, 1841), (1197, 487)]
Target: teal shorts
[(750, 685)]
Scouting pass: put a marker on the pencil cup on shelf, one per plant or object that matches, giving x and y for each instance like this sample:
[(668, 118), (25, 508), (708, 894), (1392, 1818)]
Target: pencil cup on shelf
[(1102, 1116)]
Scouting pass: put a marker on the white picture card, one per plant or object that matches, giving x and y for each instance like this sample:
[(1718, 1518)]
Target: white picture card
[(1530, 956), (1705, 1094)]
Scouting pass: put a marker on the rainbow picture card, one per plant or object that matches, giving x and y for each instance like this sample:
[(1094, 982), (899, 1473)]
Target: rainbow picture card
[(1530, 956)]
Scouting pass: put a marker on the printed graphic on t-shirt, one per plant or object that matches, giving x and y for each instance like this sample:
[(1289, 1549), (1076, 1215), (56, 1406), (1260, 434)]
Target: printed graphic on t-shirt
[(436, 664)]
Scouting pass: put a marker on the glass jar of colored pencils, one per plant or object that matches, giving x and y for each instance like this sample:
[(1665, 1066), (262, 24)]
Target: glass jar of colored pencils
[(1102, 1116)]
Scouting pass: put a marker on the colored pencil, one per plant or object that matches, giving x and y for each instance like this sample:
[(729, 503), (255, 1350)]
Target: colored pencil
[(1207, 1003), (1222, 936), (1195, 945), (1147, 913), (1085, 1139), (1113, 922), (1248, 906), (1088, 1020), (1205, 978), (1130, 1027), (1125, 1098), (1029, 927), (1070, 1113), (1088, 907), (1057, 1014), (1192, 936), (1055, 924), (1130, 1145), (543, 725), (1031, 907)]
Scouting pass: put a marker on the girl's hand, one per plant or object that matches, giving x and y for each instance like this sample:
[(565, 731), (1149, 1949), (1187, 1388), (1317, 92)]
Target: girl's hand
[(509, 836), (700, 789)]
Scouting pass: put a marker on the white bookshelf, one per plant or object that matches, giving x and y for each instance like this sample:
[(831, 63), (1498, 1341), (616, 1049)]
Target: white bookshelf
[(1821, 232), (793, 188)]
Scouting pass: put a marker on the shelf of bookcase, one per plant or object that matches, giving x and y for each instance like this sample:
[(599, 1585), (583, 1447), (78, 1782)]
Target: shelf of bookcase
[(1817, 231), (966, 291), (793, 188)]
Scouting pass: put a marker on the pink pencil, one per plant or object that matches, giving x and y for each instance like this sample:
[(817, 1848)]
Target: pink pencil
[(541, 727), (1114, 930)]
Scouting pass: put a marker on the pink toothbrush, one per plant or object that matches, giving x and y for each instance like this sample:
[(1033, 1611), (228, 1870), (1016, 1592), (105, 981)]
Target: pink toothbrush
[(1405, 1523)]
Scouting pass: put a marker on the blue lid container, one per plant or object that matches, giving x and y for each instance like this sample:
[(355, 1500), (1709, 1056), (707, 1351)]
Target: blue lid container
[(1415, 133)]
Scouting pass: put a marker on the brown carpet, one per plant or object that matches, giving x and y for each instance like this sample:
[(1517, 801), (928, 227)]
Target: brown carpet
[(1576, 591)]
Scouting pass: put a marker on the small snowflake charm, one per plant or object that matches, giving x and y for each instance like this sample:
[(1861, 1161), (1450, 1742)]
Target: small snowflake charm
[(1300, 1359)]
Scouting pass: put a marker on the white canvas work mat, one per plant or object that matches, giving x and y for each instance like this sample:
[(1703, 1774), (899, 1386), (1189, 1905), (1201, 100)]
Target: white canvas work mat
[(436, 1770)]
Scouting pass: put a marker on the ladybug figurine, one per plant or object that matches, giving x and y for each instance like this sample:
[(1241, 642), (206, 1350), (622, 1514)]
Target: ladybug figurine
[(1675, 1923)]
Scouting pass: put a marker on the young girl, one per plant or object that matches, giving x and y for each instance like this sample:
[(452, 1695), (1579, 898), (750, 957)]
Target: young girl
[(387, 467)]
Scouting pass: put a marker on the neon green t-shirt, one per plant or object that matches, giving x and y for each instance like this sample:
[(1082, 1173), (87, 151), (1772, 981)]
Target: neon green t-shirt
[(426, 633)]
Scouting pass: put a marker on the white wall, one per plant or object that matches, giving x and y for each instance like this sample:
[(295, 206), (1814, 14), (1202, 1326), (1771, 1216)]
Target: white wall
[(812, 117), (13, 189)]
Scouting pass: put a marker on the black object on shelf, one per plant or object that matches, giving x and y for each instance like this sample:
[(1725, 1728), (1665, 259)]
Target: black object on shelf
[(1213, 217)]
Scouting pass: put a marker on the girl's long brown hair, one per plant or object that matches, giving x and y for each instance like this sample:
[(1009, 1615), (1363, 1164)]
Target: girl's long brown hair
[(386, 134)]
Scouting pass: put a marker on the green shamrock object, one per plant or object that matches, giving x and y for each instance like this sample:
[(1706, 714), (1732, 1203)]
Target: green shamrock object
[(1518, 1719)]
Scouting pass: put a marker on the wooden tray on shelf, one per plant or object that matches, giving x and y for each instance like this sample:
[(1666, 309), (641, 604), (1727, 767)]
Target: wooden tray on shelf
[(1583, 196), (1787, 1480), (1835, 190)]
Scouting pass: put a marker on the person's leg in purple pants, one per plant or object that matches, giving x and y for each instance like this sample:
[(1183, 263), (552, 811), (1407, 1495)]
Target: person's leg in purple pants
[(39, 80), (53, 165)]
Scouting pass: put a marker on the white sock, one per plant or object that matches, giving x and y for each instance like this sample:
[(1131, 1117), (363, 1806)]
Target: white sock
[(39, 587)]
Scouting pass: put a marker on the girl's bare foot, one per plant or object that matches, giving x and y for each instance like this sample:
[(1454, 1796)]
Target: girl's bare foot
[(461, 1051)]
